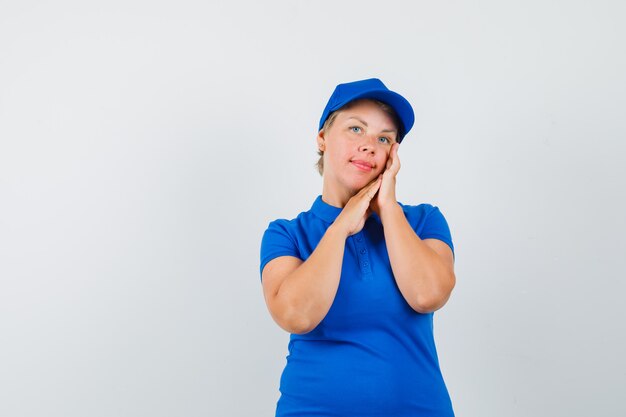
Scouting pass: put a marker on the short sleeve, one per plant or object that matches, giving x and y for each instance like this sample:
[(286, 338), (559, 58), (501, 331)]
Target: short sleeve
[(436, 227), (277, 241)]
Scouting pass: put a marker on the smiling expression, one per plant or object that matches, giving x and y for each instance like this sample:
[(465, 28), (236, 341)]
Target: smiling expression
[(356, 147)]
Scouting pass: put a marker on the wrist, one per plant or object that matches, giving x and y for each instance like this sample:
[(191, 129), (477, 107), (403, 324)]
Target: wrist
[(335, 229), (390, 209)]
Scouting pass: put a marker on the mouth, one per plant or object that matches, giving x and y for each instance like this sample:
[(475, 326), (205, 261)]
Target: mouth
[(362, 165)]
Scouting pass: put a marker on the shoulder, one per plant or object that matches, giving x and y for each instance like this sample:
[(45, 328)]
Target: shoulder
[(427, 220), (293, 224), (292, 228), (281, 224), (418, 212), (283, 237)]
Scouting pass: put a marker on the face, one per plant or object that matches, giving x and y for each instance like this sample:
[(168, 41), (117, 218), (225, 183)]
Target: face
[(356, 146)]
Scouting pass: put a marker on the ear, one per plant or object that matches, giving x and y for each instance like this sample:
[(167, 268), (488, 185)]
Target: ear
[(321, 141)]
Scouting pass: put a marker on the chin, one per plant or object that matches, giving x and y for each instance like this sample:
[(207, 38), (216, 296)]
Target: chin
[(357, 184)]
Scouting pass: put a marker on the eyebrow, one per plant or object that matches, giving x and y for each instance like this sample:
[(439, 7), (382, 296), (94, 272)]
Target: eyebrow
[(363, 121)]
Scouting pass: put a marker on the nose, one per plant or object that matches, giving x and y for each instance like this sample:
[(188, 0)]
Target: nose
[(368, 145)]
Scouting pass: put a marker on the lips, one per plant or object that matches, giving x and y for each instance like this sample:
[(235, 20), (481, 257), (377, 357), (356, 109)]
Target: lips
[(362, 165)]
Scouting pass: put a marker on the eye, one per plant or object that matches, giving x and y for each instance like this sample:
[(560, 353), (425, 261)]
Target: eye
[(355, 129), (385, 139)]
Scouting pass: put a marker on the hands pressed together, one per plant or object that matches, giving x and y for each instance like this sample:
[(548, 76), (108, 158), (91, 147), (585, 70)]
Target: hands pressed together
[(375, 196)]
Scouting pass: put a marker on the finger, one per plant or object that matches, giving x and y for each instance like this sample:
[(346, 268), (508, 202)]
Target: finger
[(395, 160), (393, 154), (373, 188), (372, 183), (371, 194), (370, 189)]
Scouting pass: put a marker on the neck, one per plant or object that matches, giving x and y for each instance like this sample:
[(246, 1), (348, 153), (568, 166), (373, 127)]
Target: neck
[(336, 196)]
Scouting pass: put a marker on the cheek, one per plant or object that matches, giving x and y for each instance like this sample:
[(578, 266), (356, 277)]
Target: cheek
[(384, 159), (341, 155), (336, 157)]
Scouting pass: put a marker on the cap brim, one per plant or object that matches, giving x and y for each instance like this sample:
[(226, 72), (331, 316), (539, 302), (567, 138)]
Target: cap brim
[(401, 106)]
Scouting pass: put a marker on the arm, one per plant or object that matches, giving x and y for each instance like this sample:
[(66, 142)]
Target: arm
[(423, 269), (299, 294)]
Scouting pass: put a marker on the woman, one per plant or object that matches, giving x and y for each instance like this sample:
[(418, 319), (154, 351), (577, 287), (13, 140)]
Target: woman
[(356, 279)]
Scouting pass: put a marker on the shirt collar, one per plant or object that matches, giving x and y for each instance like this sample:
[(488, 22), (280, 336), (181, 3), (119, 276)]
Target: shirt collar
[(324, 210)]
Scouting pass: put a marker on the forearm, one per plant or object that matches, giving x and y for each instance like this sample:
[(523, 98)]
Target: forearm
[(422, 277), (310, 290)]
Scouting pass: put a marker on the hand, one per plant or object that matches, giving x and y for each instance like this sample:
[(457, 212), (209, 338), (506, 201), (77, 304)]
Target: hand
[(357, 209), (387, 192)]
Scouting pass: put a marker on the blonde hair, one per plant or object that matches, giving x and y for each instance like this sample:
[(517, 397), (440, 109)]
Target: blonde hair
[(331, 118)]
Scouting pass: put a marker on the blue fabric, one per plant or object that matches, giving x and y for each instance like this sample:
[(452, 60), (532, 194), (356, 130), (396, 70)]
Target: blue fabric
[(370, 88), (372, 355)]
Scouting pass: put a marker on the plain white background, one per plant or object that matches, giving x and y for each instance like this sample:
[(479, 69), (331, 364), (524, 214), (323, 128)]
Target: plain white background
[(146, 145)]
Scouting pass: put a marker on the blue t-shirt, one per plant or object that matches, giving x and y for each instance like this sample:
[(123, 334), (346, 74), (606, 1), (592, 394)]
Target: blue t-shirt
[(372, 355)]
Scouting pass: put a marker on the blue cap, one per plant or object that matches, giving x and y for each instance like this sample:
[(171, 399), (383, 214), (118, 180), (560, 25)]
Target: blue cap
[(370, 88)]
